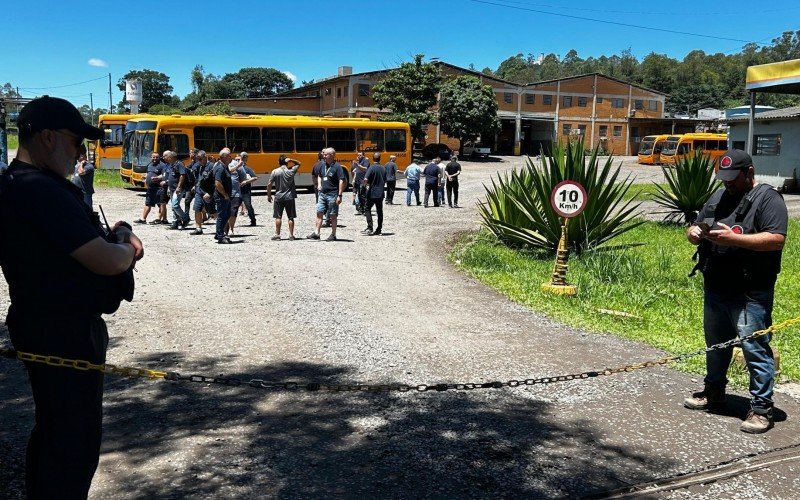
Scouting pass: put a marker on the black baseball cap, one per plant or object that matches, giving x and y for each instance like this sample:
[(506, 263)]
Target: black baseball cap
[(731, 163), (54, 113)]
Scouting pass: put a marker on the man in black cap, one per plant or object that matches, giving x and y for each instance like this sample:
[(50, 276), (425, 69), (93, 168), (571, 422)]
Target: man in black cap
[(54, 254), (740, 231)]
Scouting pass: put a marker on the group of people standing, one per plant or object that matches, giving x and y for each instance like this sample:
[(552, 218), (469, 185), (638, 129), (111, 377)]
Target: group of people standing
[(222, 188), (438, 176)]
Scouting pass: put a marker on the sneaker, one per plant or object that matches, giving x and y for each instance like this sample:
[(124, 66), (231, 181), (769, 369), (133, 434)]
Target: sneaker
[(291, 237), (757, 423), (419, 203), (276, 238), (376, 233), (367, 231), (174, 225), (408, 204), (224, 240), (252, 223), (312, 236), (706, 399), (196, 232), (331, 238), (140, 221), (184, 224), (456, 206)]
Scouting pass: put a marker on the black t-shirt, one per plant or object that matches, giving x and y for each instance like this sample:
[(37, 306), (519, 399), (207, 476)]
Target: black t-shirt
[(223, 175), (731, 269), (331, 175), (452, 168), (376, 178), (176, 171), (43, 219), (431, 174)]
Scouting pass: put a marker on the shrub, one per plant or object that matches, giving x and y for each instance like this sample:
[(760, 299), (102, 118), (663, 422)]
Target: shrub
[(689, 185), (518, 212)]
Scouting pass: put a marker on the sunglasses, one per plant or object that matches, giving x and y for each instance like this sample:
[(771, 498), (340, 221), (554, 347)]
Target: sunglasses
[(77, 140)]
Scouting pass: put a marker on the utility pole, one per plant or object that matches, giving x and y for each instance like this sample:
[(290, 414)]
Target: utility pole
[(110, 105), (91, 109)]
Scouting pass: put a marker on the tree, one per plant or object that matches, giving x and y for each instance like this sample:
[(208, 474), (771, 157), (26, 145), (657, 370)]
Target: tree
[(658, 72), (409, 92), (516, 69), (9, 91), (155, 87), (88, 116), (467, 109), (259, 82)]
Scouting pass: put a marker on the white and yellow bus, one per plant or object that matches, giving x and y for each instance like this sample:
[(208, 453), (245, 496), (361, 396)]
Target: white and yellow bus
[(650, 149), (108, 150), (264, 138), (678, 147)]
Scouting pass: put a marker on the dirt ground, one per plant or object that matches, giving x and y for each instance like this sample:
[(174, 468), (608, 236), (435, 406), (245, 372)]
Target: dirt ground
[(386, 309)]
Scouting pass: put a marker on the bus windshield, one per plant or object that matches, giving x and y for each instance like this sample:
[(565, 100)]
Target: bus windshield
[(647, 147), (137, 148), (671, 146)]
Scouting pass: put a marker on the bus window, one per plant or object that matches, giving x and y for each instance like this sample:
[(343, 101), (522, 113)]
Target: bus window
[(277, 140), (682, 149), (178, 143), (395, 140), (244, 139), (342, 139), (112, 134), (310, 139), (209, 139), (370, 139), (699, 145)]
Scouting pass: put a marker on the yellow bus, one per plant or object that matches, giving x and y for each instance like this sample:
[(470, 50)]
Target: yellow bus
[(650, 149), (264, 138), (108, 150), (678, 147)]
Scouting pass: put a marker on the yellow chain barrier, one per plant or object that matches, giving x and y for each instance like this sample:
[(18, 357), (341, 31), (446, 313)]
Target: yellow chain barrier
[(132, 372)]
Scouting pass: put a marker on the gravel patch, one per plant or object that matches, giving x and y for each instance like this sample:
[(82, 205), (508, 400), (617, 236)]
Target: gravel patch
[(372, 310)]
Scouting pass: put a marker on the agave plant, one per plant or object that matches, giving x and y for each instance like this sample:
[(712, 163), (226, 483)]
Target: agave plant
[(518, 211), (689, 185)]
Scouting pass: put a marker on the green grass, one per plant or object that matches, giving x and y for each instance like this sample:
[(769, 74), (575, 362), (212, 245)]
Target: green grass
[(648, 281), (13, 141), (642, 192), (108, 179)]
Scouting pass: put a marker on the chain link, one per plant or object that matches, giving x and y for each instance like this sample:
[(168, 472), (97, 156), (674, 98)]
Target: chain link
[(376, 388)]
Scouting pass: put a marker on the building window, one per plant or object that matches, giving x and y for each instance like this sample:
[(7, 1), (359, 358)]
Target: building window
[(565, 129), (328, 91), (508, 97), (652, 105), (638, 104), (582, 129), (530, 98), (582, 101), (617, 102), (567, 101), (547, 100), (363, 90), (599, 100), (347, 91), (767, 144), (338, 92), (617, 130), (603, 130)]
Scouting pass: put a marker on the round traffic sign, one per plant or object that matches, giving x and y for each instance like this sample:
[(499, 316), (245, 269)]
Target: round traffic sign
[(568, 199)]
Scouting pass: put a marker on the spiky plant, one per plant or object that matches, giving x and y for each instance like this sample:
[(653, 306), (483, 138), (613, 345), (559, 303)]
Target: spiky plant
[(518, 211), (689, 185)]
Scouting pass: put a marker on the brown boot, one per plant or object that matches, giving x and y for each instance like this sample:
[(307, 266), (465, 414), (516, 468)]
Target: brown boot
[(757, 423), (708, 398)]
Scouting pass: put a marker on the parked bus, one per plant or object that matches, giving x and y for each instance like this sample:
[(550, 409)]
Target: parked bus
[(650, 149), (264, 138), (678, 147), (108, 150)]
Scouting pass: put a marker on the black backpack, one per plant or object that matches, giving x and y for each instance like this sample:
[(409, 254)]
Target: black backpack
[(191, 179)]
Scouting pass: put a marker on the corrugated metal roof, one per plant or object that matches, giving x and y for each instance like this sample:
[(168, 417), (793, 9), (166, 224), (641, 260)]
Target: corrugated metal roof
[(773, 114)]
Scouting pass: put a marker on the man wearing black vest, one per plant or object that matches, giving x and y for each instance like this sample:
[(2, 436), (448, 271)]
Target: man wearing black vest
[(63, 271), (740, 231)]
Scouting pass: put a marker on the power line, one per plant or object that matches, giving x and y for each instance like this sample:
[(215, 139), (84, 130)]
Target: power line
[(615, 23), (62, 86), (682, 14)]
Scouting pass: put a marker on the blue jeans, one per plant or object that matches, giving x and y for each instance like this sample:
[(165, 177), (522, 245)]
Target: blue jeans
[(725, 317), (177, 210), (412, 186), (223, 214), (87, 198)]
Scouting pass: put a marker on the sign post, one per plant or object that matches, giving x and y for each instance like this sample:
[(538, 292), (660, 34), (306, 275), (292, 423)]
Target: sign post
[(133, 94), (568, 199)]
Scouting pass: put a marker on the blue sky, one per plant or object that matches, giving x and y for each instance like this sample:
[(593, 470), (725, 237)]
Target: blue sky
[(53, 46)]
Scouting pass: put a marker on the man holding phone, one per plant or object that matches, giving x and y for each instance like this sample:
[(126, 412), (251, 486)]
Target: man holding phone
[(740, 236)]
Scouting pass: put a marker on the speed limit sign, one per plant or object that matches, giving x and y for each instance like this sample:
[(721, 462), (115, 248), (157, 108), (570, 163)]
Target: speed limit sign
[(568, 199)]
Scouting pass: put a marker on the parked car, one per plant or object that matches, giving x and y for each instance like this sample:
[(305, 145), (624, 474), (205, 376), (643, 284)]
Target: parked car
[(436, 149), (477, 150)]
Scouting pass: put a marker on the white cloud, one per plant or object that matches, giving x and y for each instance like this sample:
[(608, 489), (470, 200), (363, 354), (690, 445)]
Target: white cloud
[(97, 63), (291, 75)]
